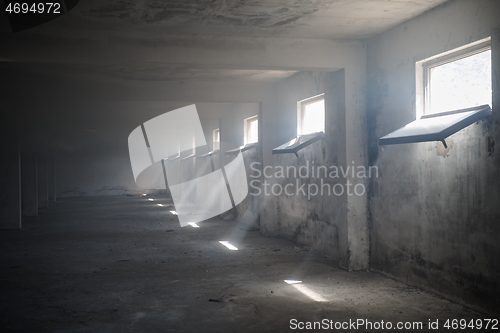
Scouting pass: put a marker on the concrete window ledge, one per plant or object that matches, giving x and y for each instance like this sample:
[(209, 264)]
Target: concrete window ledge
[(246, 147), (436, 126), (296, 144), (210, 153)]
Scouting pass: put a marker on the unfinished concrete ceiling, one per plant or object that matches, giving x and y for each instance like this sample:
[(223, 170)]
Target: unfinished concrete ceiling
[(203, 40), (328, 19)]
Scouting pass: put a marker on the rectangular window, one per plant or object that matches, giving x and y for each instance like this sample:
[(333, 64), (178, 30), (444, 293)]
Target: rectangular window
[(216, 139), (311, 115), (453, 92), (458, 79), (251, 127), (192, 152)]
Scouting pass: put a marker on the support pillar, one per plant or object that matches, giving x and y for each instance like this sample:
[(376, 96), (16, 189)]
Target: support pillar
[(52, 178), (43, 180), (29, 184), (10, 180)]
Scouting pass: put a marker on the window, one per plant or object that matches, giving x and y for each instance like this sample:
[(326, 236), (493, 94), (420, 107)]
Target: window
[(453, 90), (311, 115), (250, 137), (458, 79), (193, 149), (310, 125), (216, 139), (251, 127), (176, 155)]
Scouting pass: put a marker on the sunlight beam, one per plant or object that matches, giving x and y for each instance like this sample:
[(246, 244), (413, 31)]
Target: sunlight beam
[(228, 245)]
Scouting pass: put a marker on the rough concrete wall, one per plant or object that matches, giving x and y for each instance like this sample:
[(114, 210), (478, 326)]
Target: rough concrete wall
[(10, 173), (248, 210), (94, 160), (310, 220), (101, 171), (333, 224), (356, 256), (435, 211), (232, 136), (268, 122)]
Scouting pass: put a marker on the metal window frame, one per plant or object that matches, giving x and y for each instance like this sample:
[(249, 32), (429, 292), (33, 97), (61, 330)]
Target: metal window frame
[(214, 138), (301, 112), (246, 128), (446, 58)]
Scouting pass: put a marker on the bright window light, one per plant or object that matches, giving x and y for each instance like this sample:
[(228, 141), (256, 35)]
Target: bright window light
[(151, 199), (228, 245), (251, 126), (311, 115), (458, 79), (293, 281), (216, 139), (297, 284), (193, 149), (194, 225), (309, 293), (173, 212)]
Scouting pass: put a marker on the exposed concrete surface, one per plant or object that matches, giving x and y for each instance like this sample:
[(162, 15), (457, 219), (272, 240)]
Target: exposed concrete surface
[(97, 72), (248, 211), (43, 180), (333, 224), (435, 213), (116, 264), (10, 178), (291, 18), (29, 182), (93, 157)]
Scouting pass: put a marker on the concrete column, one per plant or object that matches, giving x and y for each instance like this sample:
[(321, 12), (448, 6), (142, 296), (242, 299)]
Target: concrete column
[(269, 217), (358, 234), (43, 180), (29, 184), (52, 177), (10, 180)]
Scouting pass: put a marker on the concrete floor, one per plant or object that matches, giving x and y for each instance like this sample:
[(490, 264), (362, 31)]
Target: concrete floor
[(123, 264)]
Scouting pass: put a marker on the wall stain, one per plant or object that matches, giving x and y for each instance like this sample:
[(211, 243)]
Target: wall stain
[(491, 145), (441, 150)]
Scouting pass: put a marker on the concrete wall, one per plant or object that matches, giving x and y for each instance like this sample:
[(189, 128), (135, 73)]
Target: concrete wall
[(321, 220), (232, 116), (314, 220), (248, 211), (10, 173), (93, 153), (434, 211)]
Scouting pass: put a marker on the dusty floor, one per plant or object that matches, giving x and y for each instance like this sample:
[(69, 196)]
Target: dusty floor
[(123, 264)]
